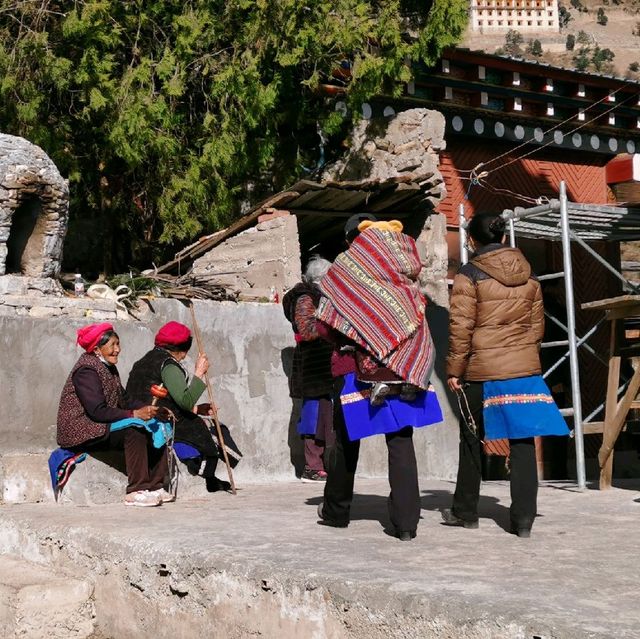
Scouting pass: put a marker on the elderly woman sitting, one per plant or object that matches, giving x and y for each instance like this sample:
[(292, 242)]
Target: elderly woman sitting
[(95, 410), (162, 365)]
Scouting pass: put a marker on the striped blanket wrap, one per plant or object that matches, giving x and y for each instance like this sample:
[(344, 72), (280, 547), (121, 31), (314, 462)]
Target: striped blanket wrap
[(370, 296)]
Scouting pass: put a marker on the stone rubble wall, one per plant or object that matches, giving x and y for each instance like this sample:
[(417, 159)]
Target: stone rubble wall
[(26, 170), (264, 256), (43, 297), (406, 146)]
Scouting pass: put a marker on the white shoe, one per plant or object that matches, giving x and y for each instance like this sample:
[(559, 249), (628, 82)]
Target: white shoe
[(165, 496), (142, 498)]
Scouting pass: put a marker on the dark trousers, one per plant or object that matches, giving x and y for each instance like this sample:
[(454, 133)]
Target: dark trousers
[(146, 466), (315, 445), (524, 473), (341, 460), (313, 453)]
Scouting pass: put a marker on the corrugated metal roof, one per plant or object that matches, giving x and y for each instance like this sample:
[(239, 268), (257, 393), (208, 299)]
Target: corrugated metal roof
[(589, 222), (322, 209)]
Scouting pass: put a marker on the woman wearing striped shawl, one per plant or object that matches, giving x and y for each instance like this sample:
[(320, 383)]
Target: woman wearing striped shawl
[(374, 312)]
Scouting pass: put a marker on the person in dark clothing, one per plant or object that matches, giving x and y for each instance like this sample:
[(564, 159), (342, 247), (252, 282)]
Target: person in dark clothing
[(93, 400), (496, 325), (162, 366), (311, 378)]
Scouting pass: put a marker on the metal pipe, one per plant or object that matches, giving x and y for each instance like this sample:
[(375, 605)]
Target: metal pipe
[(562, 342), (573, 348), (512, 234), (595, 411), (551, 276), (581, 341), (462, 233), (520, 214), (604, 262)]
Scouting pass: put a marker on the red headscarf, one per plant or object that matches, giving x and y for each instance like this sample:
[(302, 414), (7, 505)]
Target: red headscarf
[(172, 333), (89, 336)]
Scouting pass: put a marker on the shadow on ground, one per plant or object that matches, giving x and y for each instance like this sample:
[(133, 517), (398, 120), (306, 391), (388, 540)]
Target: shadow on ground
[(374, 507)]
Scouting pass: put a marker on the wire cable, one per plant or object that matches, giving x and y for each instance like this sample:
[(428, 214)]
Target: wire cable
[(553, 128), (539, 148)]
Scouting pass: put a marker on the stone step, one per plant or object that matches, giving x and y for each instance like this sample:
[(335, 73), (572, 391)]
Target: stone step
[(36, 602), (100, 479)]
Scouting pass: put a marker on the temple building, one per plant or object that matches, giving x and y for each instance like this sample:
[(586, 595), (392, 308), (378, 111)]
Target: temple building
[(527, 16)]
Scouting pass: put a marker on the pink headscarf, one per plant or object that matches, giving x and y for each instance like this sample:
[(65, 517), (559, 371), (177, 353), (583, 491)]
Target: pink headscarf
[(172, 333), (89, 336)]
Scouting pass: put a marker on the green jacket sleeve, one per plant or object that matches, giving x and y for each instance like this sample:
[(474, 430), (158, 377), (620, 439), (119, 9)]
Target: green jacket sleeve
[(175, 382)]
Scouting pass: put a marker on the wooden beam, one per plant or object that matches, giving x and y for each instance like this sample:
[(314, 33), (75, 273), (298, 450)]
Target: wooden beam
[(612, 429), (319, 213), (613, 378)]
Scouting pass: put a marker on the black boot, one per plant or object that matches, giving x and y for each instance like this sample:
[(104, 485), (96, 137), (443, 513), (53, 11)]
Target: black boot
[(449, 519), (214, 484)]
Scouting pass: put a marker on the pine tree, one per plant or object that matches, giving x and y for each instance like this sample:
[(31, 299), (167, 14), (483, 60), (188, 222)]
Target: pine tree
[(512, 41), (167, 115), (534, 48), (602, 17)]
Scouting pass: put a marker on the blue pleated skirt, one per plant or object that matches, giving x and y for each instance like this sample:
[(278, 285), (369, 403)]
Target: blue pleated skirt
[(520, 408), (308, 422), (364, 420)]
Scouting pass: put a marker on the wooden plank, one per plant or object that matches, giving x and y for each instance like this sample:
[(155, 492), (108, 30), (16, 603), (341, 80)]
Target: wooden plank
[(593, 428), (306, 199), (403, 192), (321, 213), (333, 199), (302, 186), (596, 428), (611, 403), (613, 428), (612, 302)]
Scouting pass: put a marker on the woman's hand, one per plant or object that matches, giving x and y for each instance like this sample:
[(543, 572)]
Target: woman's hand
[(454, 384), (202, 365), (145, 413), (204, 409)]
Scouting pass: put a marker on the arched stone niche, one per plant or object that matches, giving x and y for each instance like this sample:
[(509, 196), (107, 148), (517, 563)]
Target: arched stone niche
[(34, 208)]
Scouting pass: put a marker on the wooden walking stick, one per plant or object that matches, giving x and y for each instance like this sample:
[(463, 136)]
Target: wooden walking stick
[(214, 409)]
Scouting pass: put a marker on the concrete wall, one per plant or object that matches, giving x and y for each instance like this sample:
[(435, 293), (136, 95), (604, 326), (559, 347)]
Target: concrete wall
[(249, 346)]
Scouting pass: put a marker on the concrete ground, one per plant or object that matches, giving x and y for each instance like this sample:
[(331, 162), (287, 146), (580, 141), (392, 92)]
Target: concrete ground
[(257, 564)]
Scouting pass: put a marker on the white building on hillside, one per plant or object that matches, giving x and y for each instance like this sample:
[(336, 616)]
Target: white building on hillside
[(527, 16)]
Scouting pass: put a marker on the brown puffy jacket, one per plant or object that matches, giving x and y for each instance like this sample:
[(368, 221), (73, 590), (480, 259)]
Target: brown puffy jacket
[(496, 320)]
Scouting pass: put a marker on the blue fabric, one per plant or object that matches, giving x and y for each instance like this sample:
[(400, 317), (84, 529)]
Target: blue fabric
[(58, 457), (520, 408), (160, 431), (308, 422), (185, 451), (364, 420)]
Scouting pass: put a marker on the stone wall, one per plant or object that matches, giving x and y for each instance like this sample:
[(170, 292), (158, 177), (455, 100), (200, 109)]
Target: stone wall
[(264, 256), (34, 202), (250, 348), (406, 146)]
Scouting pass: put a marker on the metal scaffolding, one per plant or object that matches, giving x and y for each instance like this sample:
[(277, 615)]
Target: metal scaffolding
[(564, 221)]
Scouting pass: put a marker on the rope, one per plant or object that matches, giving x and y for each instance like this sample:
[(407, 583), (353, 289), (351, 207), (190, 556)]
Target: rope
[(467, 417), (524, 198), (472, 427)]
